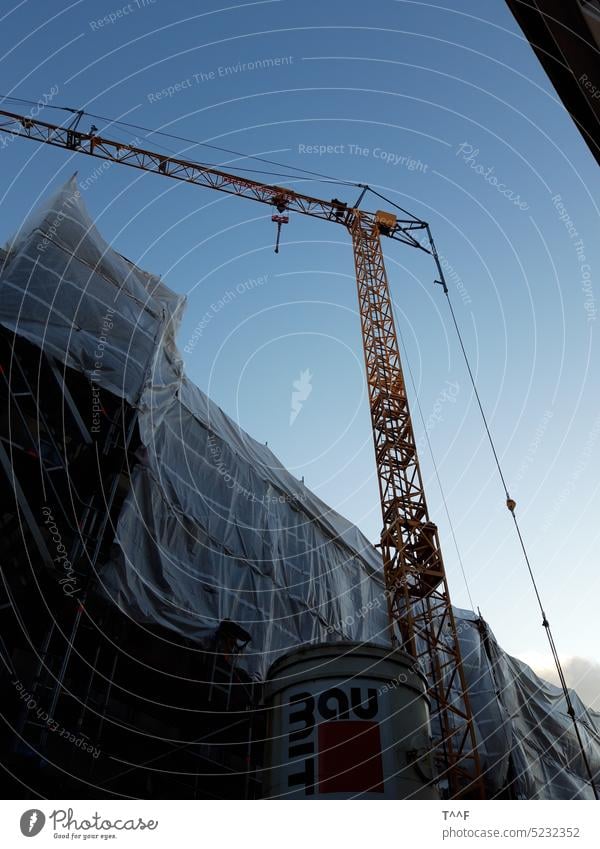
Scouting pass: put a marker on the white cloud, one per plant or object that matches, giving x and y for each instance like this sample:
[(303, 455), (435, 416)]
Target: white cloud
[(581, 675)]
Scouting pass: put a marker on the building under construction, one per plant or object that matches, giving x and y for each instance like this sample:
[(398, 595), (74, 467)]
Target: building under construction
[(183, 618)]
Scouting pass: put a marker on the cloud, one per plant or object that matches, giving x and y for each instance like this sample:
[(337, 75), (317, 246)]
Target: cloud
[(581, 675)]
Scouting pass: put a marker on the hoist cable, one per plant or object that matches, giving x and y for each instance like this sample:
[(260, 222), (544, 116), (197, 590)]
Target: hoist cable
[(437, 474)]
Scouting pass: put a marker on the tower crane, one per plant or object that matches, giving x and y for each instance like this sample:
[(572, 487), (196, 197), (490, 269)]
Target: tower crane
[(422, 622)]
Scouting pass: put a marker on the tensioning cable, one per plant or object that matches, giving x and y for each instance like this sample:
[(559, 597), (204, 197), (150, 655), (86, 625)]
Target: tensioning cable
[(511, 505), (319, 176)]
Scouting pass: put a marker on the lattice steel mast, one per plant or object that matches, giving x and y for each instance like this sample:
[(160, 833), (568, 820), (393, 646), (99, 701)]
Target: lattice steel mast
[(422, 622)]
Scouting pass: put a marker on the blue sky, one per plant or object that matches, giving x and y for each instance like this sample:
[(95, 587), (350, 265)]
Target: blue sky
[(446, 111)]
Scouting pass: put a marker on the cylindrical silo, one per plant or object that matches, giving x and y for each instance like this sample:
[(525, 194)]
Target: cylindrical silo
[(347, 720)]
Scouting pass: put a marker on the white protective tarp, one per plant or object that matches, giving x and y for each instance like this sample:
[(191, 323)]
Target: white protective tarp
[(214, 527), (60, 285), (527, 737)]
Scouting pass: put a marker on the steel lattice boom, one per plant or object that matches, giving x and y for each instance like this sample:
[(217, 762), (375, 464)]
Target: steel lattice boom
[(419, 602), (193, 172), (422, 622)]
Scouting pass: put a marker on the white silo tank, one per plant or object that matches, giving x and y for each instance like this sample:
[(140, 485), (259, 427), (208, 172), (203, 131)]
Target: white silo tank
[(347, 720)]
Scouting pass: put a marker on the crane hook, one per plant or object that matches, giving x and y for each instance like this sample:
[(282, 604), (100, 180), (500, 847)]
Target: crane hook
[(279, 220)]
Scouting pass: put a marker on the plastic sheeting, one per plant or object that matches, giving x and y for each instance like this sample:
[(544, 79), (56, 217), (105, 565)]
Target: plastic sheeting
[(527, 737), (214, 527), (60, 286), (227, 533)]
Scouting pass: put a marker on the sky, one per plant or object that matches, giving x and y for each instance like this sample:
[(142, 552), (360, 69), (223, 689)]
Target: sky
[(444, 109)]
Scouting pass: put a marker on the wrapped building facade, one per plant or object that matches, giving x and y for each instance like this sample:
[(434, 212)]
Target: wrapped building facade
[(207, 545)]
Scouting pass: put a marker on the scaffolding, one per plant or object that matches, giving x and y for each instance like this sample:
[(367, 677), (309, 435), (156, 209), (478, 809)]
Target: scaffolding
[(89, 710)]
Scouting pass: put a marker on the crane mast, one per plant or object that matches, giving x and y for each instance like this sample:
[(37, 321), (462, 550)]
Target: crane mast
[(421, 617), (421, 614)]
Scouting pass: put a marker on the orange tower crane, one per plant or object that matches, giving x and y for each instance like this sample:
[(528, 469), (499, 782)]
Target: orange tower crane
[(421, 617)]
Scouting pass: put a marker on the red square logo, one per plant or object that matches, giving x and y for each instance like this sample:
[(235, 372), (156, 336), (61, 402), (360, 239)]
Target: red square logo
[(350, 757)]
